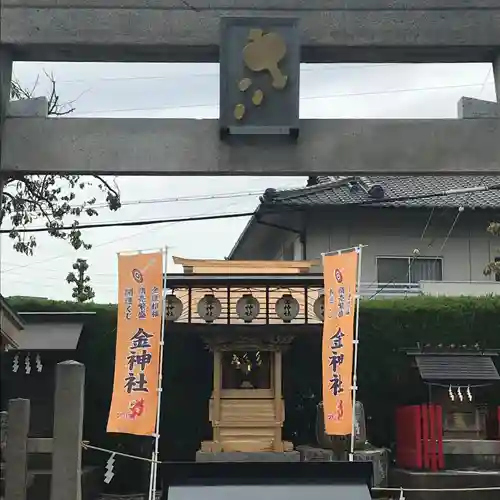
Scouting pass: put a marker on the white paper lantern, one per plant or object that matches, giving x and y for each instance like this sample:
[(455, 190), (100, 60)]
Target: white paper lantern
[(247, 308), (287, 308), (173, 308), (209, 308), (319, 307)]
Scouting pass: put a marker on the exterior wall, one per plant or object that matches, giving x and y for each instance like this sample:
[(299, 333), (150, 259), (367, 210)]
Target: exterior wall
[(289, 247), (264, 241), (393, 232), (398, 232)]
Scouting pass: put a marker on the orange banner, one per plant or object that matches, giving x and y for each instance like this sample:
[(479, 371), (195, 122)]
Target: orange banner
[(134, 402), (340, 275)]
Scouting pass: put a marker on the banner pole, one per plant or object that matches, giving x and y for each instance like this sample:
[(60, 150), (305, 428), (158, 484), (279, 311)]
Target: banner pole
[(340, 251), (154, 463), (359, 250)]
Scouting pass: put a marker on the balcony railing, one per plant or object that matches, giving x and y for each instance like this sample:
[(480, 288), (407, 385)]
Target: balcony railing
[(388, 290), (432, 288), (459, 288)]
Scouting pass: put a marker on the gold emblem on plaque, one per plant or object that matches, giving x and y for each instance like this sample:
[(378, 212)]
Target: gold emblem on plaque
[(263, 52)]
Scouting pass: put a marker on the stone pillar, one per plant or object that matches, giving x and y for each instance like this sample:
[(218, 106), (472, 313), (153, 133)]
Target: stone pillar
[(3, 431), (68, 430), (496, 75), (3, 441), (16, 453), (5, 82)]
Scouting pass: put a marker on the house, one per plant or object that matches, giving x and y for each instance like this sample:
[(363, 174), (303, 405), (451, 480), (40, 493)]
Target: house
[(417, 242)]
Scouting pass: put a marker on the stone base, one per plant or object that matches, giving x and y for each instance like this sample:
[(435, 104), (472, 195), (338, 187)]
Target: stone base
[(39, 489), (379, 457), (239, 456), (446, 479), (315, 454), (472, 454)]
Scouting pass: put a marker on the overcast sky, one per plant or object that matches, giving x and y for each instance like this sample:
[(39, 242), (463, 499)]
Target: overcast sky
[(191, 91)]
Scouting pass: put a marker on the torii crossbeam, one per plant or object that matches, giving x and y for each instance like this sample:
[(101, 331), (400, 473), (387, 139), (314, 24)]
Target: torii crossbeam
[(374, 31)]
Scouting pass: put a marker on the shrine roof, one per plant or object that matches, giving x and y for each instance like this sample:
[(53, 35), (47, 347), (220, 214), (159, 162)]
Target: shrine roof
[(52, 331), (456, 367), (180, 280)]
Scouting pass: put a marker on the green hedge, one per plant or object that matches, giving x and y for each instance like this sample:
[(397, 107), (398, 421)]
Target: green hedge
[(384, 379)]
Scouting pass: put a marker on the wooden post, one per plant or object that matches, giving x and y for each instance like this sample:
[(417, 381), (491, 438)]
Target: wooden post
[(278, 443), (216, 395), (68, 429), (16, 453)]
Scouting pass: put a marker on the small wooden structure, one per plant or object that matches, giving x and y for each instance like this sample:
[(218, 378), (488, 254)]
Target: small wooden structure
[(28, 370), (247, 314), (29, 373), (458, 426), (246, 408)]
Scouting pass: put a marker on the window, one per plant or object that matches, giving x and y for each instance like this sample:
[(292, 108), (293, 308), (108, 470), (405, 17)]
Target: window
[(404, 270)]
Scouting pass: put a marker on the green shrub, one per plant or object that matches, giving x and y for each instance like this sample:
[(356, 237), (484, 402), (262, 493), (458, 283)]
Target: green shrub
[(384, 378)]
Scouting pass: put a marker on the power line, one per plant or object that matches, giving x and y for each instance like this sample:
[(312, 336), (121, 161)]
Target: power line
[(201, 197), (99, 245), (61, 256), (306, 98), (179, 199), (394, 278), (267, 209), (147, 222), (440, 194), (415, 256), (62, 280), (51, 272), (182, 199), (335, 67)]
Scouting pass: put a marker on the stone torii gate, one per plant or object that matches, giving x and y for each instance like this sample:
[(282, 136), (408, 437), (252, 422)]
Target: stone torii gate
[(328, 31)]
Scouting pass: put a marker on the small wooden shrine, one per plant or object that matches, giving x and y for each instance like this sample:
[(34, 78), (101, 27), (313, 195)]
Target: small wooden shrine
[(457, 416), (248, 313)]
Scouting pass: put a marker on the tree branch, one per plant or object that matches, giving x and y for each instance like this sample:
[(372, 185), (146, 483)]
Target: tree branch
[(114, 191), (51, 197)]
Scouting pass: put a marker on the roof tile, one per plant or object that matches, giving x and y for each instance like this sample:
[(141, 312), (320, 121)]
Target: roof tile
[(348, 190)]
